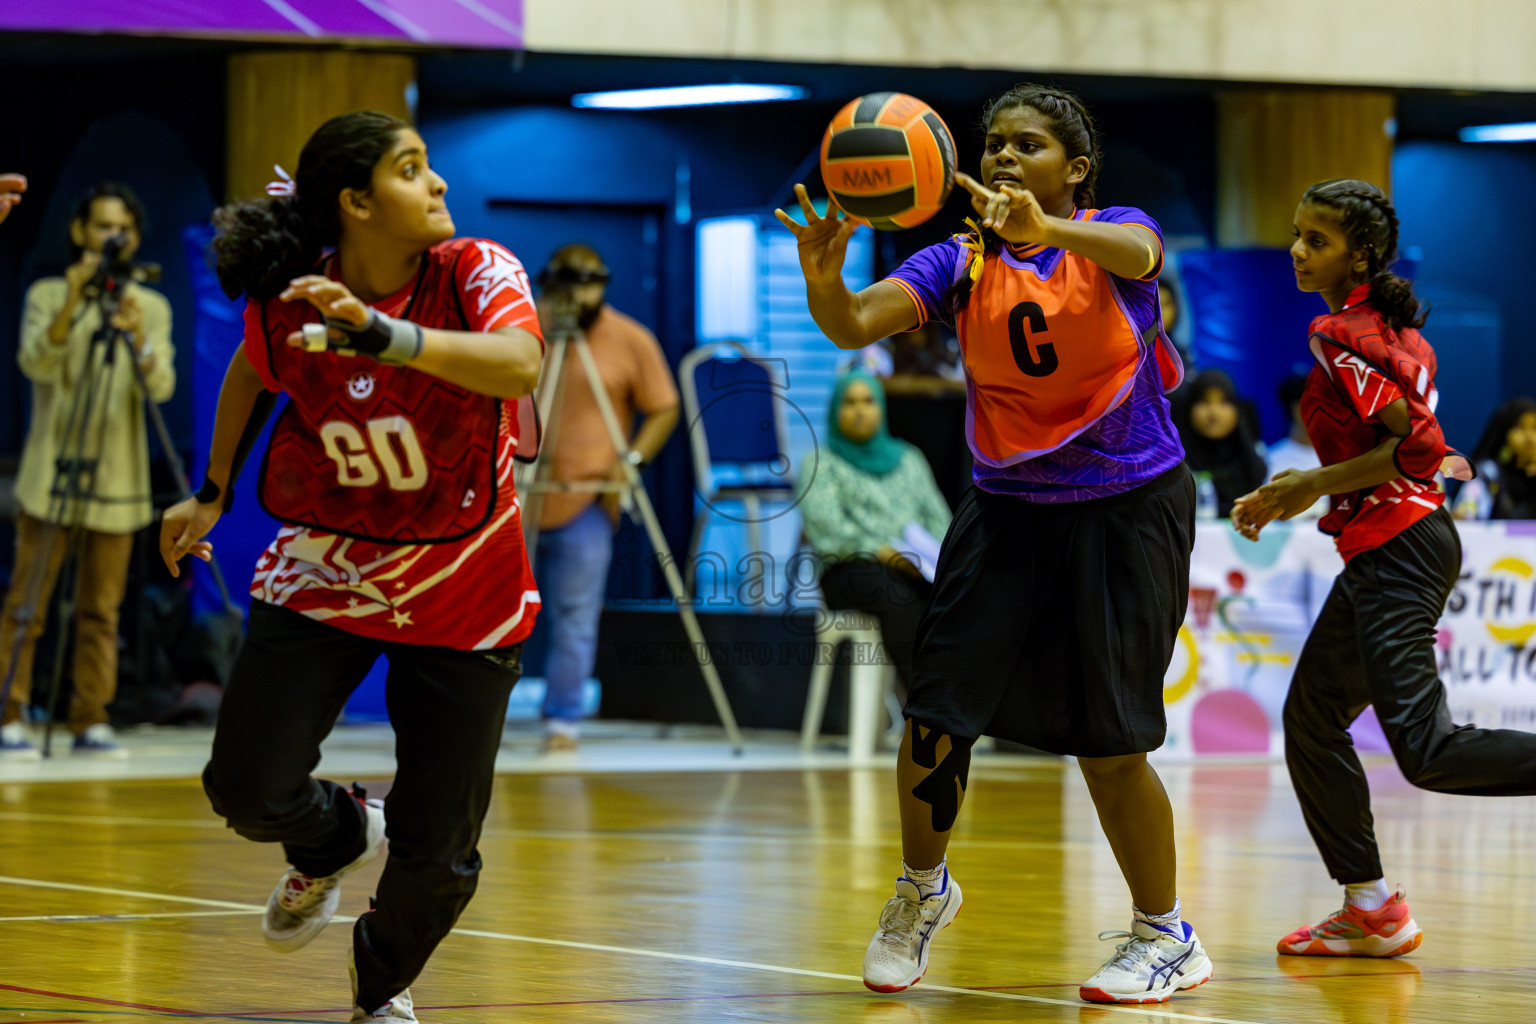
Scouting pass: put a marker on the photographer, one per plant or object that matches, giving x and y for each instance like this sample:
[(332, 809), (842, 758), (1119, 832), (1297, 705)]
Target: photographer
[(61, 317), (576, 527)]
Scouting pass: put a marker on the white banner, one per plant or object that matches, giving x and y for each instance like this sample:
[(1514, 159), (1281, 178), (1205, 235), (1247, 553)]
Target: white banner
[(1251, 605)]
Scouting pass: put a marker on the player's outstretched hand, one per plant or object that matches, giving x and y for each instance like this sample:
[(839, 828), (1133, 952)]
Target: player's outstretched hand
[(331, 298), (1288, 494), (822, 241), (1249, 515), (182, 530), (11, 188), (1013, 213)]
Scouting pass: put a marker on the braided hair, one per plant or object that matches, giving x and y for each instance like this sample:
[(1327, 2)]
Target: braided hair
[(262, 244), (1069, 121), (1370, 223)]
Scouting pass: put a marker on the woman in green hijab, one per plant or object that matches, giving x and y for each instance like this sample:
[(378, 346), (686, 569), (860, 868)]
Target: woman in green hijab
[(873, 515)]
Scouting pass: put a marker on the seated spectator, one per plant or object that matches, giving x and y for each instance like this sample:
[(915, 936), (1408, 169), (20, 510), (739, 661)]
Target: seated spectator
[(1505, 457), (1218, 439), (1168, 303), (925, 361), (1295, 450), (867, 495)]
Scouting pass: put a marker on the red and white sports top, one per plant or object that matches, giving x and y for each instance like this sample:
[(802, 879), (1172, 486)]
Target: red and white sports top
[(1363, 366), (396, 486)]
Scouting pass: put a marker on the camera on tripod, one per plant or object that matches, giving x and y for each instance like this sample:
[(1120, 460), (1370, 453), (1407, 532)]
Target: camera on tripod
[(115, 269)]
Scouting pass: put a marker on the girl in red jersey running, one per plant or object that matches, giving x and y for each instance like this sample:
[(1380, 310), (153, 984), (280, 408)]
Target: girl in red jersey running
[(391, 467), (1369, 410)]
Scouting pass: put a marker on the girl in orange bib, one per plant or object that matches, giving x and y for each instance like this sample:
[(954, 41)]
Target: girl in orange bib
[(1064, 577)]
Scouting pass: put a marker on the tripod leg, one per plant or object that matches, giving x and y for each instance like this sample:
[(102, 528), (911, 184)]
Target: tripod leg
[(179, 474), (642, 502), (685, 611), (531, 487)]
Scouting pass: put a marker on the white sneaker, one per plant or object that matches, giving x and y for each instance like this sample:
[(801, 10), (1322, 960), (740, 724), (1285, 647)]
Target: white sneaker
[(301, 905), (98, 741), (897, 957), (16, 744), (1149, 966), (397, 1009)]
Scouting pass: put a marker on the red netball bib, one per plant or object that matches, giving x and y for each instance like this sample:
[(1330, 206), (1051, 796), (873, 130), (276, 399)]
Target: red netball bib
[(382, 453)]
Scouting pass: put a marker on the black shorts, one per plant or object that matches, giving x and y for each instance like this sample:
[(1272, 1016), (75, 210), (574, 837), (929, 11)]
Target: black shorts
[(1053, 625)]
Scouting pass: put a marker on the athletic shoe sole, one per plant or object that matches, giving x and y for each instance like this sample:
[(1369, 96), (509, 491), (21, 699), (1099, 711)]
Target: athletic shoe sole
[(1098, 995), (945, 920), (1376, 946)]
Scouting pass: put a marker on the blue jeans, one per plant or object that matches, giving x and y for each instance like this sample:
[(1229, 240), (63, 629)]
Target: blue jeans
[(572, 572)]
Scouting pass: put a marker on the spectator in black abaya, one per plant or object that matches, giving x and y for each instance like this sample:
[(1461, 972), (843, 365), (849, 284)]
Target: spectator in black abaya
[(1218, 439), (1505, 457)]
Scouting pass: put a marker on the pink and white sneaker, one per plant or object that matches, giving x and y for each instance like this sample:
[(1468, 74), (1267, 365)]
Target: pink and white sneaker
[(1387, 931), (301, 905)]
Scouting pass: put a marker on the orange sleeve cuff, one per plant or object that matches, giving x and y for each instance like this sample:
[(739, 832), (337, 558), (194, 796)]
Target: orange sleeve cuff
[(1157, 267), (922, 313)]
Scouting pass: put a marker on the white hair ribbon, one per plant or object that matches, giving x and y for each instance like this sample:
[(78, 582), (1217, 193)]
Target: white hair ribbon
[(283, 186)]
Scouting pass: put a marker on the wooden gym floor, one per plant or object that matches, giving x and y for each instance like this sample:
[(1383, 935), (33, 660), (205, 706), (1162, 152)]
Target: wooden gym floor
[(749, 896)]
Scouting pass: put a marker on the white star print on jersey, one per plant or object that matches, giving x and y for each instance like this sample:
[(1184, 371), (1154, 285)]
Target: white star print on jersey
[(497, 271)]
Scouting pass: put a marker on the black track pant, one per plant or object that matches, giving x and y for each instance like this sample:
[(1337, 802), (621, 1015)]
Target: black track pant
[(448, 707), (896, 598), (1374, 645)]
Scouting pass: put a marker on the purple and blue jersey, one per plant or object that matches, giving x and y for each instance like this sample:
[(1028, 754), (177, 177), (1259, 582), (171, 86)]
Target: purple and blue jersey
[(1066, 366)]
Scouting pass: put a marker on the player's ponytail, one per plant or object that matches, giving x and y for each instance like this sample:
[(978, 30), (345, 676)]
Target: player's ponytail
[(1370, 223), (1068, 119), (262, 244)]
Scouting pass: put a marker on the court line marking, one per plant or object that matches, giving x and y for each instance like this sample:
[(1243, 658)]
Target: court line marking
[(96, 819), (1263, 851), (107, 918), (633, 951), (630, 951), (122, 1008), (649, 837), (95, 999), (119, 1011), (130, 893), (806, 973)]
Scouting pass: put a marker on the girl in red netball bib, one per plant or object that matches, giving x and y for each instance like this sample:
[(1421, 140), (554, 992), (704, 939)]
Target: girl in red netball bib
[(1063, 579), (1369, 409), (403, 353)]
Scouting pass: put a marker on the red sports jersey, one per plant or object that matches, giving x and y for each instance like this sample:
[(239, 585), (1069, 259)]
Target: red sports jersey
[(1363, 365), (396, 486)]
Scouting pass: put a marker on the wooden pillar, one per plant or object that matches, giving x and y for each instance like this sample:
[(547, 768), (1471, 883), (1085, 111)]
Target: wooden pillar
[(277, 100), (1272, 144)]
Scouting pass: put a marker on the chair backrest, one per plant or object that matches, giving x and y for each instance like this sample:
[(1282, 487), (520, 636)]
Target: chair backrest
[(734, 403)]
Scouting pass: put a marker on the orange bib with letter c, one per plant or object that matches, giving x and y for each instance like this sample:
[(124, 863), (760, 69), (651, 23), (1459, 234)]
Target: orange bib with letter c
[(1045, 358)]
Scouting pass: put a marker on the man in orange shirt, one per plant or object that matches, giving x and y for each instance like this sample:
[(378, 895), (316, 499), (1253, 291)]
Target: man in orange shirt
[(576, 527), (11, 188)]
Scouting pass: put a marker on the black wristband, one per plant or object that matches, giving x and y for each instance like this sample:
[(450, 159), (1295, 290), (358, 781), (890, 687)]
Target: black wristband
[(389, 340), (208, 493)]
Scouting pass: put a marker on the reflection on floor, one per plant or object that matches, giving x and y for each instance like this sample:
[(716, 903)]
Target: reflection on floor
[(723, 894)]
